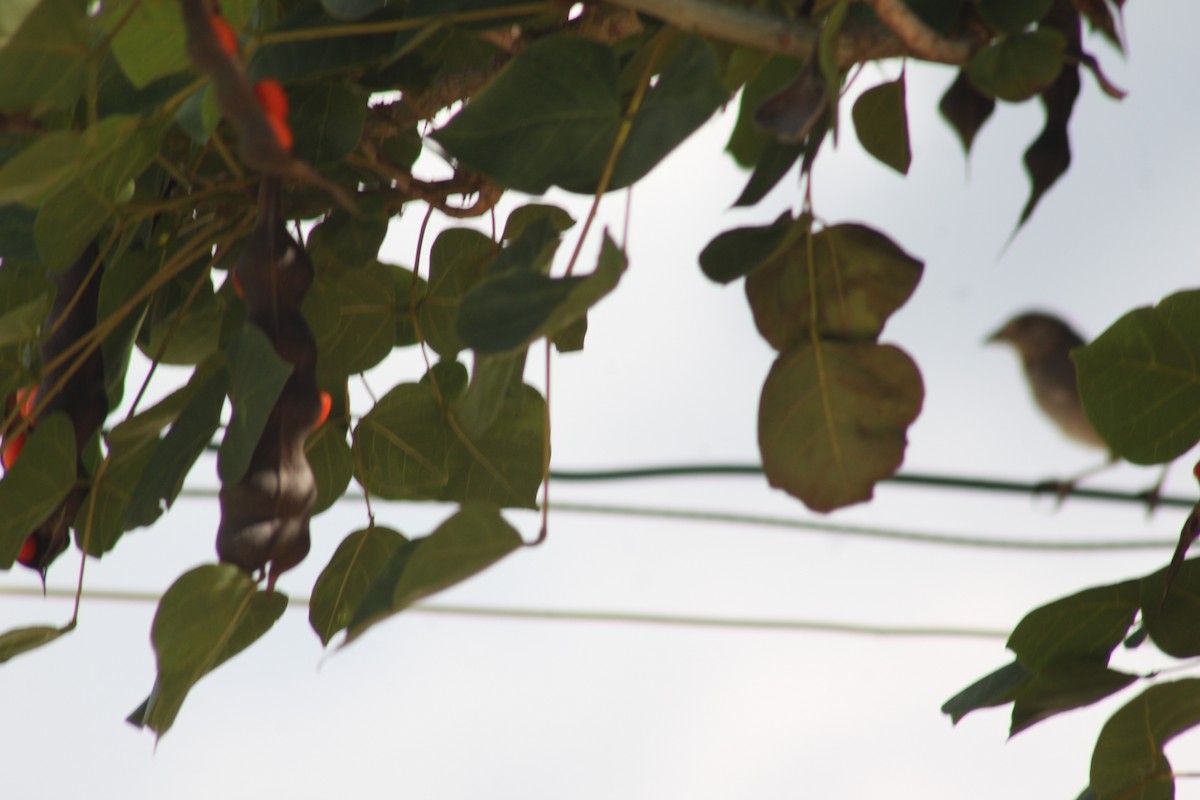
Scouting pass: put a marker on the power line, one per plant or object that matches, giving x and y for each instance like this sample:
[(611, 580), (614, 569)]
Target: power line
[(1040, 544), (903, 478), (620, 617)]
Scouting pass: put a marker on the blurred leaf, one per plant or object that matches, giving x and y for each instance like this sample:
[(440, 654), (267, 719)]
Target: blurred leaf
[(1140, 383), (881, 122), (551, 116), (494, 379), (523, 216), (293, 61), (515, 308), (995, 689), (748, 142), (358, 563), (401, 444), (457, 261), (344, 241), (505, 465), (571, 338), (1129, 760), (1083, 628), (21, 640), (1063, 687), (966, 109), (327, 120), (353, 315), (148, 37), (256, 377), (791, 113), (121, 278), (1170, 615), (467, 543), (833, 419), (331, 461), (37, 483), (773, 164), (1048, 158), (108, 496), (174, 455), (734, 253), (1013, 16), (862, 277), (42, 65), (209, 615), (1019, 66), (941, 15)]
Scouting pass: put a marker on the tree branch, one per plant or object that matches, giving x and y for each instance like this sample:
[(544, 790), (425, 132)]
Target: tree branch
[(922, 40), (902, 33)]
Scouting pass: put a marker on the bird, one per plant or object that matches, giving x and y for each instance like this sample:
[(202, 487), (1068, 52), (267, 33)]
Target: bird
[(1044, 343)]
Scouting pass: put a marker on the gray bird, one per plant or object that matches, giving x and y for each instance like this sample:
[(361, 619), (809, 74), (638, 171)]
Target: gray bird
[(1044, 343)]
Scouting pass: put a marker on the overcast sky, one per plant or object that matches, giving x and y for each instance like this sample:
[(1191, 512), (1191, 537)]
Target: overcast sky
[(433, 706)]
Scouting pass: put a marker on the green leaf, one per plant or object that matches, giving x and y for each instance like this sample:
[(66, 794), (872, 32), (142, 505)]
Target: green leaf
[(734, 253), (1048, 157), (1129, 761), (353, 316), (120, 280), (467, 543), (345, 241), (174, 455), (1013, 16), (516, 308), (570, 339), (1170, 616), (149, 42), (21, 640), (209, 615), (256, 377), (1140, 382), (522, 217), (331, 461), (1018, 66), (505, 465), (494, 380), (1064, 687), (328, 121), (37, 483), (22, 323), (108, 497), (748, 142), (881, 122), (457, 261), (995, 689), (12, 14), (34, 173), (358, 563), (43, 65), (862, 277), (833, 417), (550, 118), (1082, 628), (330, 54), (966, 109), (774, 163), (401, 444)]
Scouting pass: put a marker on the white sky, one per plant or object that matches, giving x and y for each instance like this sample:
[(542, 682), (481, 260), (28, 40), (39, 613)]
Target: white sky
[(438, 707)]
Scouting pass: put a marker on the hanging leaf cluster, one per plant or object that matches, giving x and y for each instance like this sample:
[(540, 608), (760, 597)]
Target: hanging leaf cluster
[(208, 184)]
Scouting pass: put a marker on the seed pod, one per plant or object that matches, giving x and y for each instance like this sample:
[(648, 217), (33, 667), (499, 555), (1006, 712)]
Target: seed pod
[(265, 515)]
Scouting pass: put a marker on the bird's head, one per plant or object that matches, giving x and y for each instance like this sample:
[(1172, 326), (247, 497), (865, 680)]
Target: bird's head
[(1036, 335)]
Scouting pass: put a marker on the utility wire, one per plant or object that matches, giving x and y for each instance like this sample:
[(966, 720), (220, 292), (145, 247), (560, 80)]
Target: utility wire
[(903, 478), (544, 615), (1040, 544)]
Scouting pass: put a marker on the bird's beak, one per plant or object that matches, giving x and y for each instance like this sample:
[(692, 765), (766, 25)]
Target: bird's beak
[(1002, 335)]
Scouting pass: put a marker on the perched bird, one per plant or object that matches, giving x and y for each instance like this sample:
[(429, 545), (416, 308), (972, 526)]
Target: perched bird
[(1044, 343)]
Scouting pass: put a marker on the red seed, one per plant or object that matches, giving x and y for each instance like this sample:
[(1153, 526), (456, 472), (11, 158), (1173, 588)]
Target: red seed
[(226, 38), (12, 449), (237, 285), (272, 98), (27, 399), (1196, 470), (283, 134), (326, 406), (28, 552)]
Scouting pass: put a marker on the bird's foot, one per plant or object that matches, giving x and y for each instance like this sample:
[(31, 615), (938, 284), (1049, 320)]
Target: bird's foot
[(1060, 489)]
